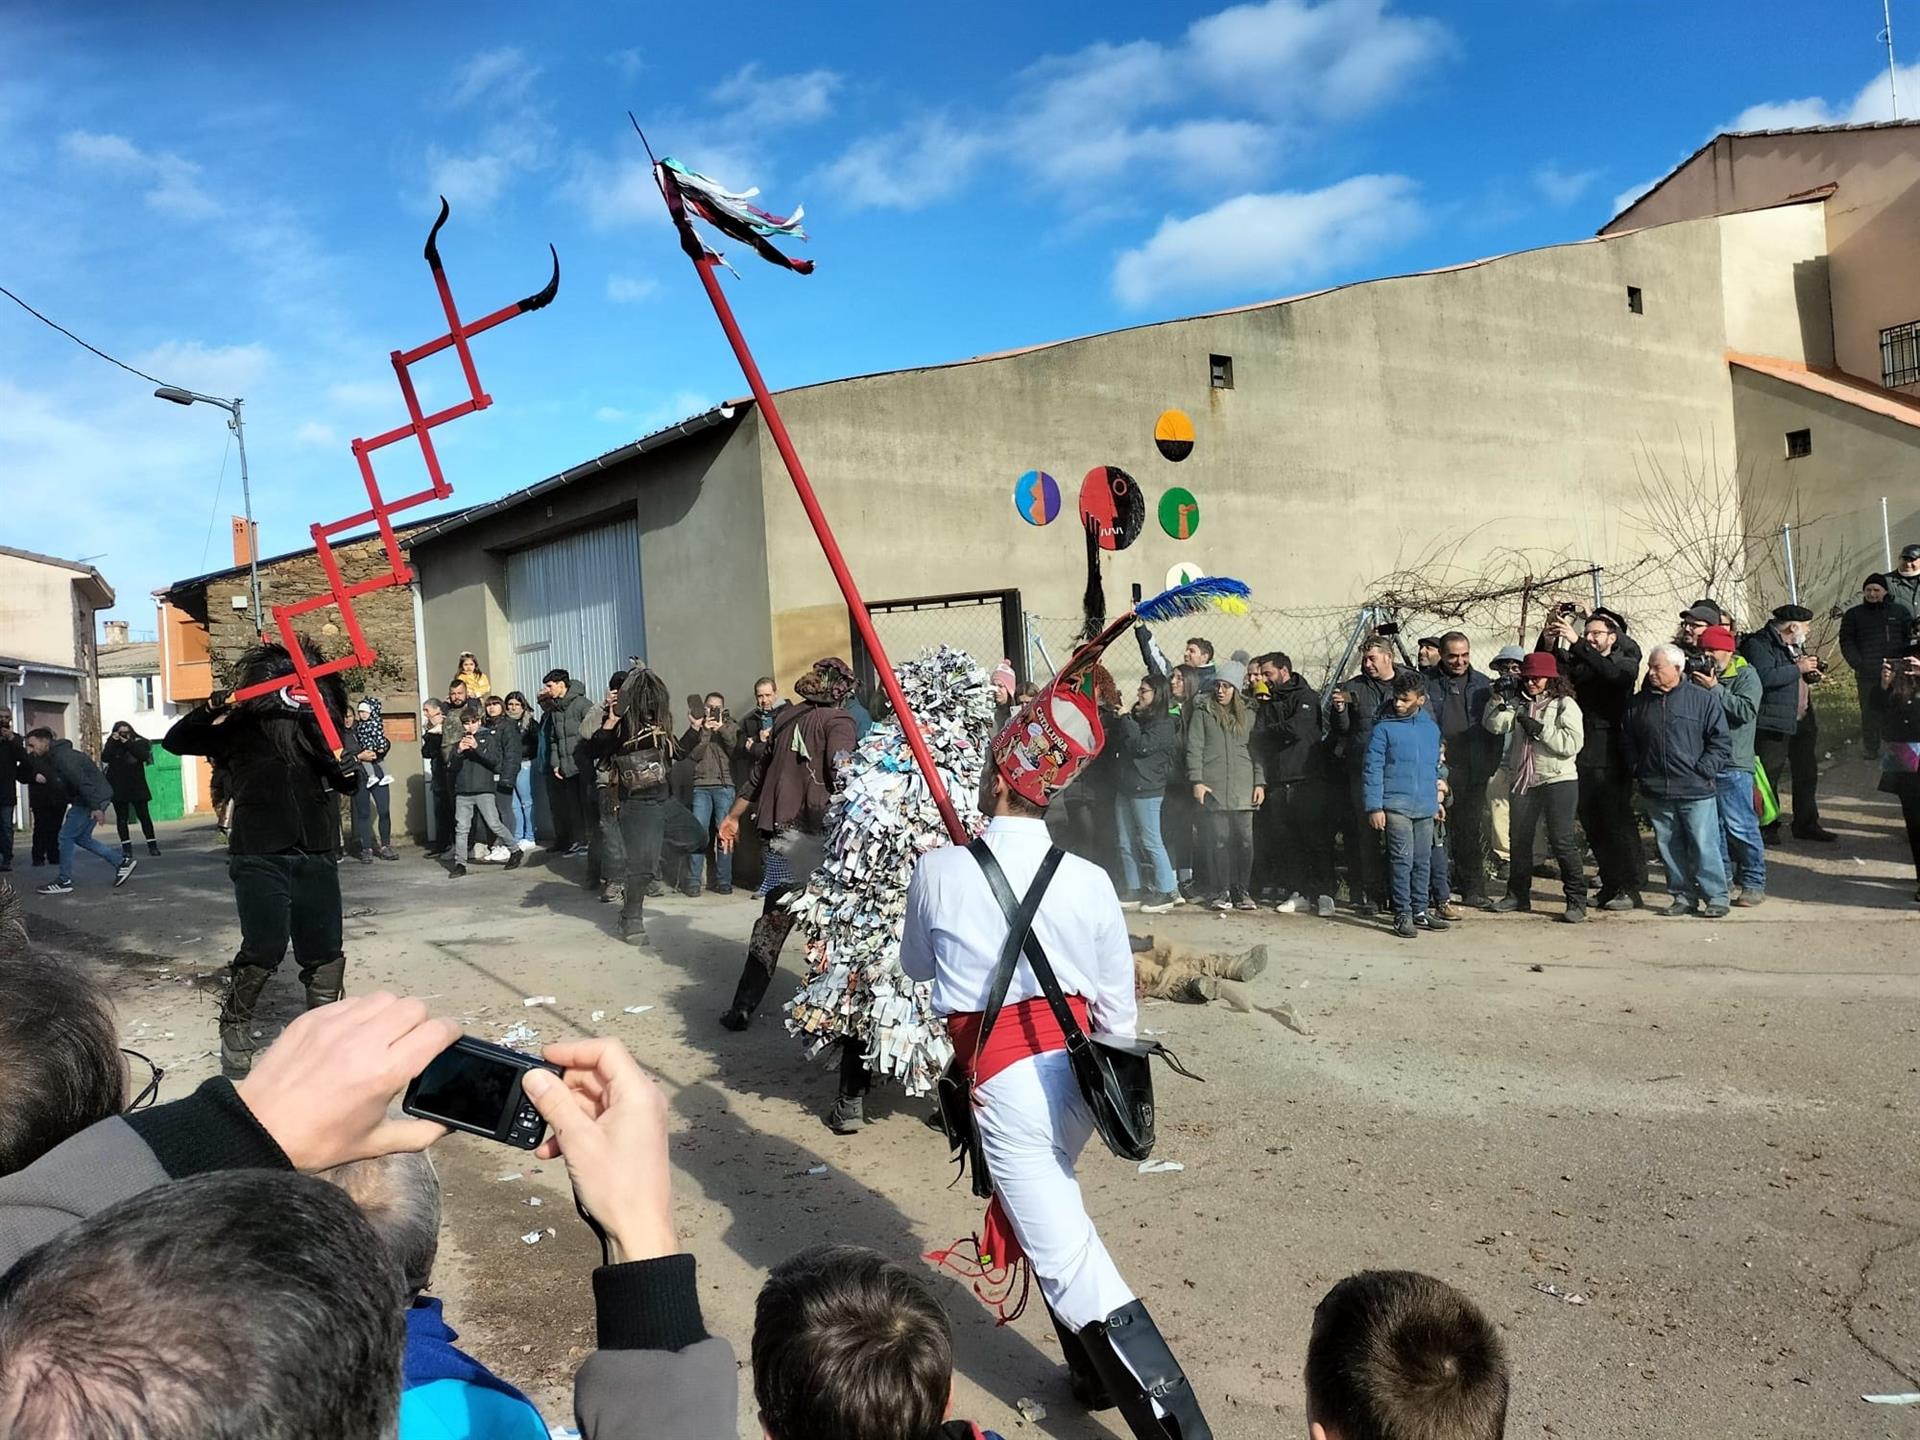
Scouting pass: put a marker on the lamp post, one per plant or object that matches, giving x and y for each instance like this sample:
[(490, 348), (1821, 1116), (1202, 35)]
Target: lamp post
[(232, 407)]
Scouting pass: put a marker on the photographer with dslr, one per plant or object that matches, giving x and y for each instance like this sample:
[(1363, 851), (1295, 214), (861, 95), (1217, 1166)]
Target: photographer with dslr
[(1543, 725), (1601, 662), (1788, 732), (1898, 702)]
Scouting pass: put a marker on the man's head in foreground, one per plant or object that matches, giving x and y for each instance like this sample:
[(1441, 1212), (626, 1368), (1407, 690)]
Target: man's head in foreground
[(245, 1302), (1396, 1355)]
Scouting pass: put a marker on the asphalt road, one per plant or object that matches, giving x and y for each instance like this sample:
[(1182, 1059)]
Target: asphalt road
[(1703, 1130)]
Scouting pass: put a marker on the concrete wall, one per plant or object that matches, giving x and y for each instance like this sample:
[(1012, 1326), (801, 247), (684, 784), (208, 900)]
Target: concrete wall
[(37, 604), (1873, 217), (1508, 404), (1833, 495)]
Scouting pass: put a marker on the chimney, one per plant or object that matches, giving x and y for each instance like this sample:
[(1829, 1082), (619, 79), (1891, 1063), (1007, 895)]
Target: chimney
[(243, 541), (116, 632)]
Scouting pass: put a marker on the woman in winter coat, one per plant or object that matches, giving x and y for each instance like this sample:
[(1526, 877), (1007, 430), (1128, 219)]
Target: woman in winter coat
[(520, 715), (1178, 814), (1898, 704), (1226, 786), (1544, 731), (374, 797), (1148, 753), (125, 758)]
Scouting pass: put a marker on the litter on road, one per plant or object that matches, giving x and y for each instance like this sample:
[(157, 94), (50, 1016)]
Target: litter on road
[(1160, 1167), (1568, 1296)]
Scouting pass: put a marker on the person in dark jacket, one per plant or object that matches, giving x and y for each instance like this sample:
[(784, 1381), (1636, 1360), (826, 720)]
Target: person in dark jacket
[(1352, 709), (125, 758), (1186, 689), (373, 801), (1601, 662), (792, 781), (435, 733), (1787, 734), (1457, 699), (1082, 821), (570, 800), (89, 794), (709, 744), (1898, 700), (1870, 632), (768, 702), (284, 784), (1677, 742), (478, 761), (46, 804), (520, 715), (1903, 581), (1148, 750), (13, 754), (1286, 740)]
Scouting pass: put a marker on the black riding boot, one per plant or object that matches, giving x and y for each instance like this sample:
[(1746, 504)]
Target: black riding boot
[(1088, 1388), (1131, 1356), (236, 1016), (325, 982)]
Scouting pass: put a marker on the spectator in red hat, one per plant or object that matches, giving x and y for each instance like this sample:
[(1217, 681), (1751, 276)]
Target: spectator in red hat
[(1544, 731), (1737, 684)]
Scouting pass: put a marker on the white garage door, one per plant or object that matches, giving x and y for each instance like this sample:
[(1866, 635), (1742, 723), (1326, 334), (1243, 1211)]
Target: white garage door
[(574, 604)]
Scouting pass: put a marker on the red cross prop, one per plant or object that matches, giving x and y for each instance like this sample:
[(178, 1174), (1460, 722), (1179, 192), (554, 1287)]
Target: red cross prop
[(380, 510)]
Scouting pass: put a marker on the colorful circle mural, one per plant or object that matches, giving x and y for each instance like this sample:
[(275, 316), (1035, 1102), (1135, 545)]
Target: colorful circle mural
[(1036, 495), (1179, 513), (1110, 500), (1183, 575), (1173, 433)]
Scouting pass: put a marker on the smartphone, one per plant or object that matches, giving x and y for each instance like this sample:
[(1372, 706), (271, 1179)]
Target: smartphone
[(475, 1086)]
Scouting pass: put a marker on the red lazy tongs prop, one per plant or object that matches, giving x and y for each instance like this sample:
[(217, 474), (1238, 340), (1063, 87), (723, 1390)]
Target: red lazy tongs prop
[(380, 510)]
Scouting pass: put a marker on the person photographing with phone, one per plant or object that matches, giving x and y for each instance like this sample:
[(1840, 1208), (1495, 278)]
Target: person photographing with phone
[(709, 743)]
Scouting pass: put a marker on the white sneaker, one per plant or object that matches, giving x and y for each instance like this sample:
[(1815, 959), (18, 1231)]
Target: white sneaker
[(525, 846), (1324, 907), (1289, 905), (126, 869), (500, 854), (477, 851)]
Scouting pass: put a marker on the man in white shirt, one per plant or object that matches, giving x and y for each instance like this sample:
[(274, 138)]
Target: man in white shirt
[(1027, 1106)]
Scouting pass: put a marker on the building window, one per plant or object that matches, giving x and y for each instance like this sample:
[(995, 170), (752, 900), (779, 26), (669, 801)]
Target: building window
[(1635, 305), (1799, 444), (143, 692), (1222, 371), (1900, 355)]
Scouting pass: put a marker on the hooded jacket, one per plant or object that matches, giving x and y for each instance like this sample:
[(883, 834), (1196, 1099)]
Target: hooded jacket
[(1286, 733), (125, 762), (1148, 750), (561, 728), (1403, 769), (86, 782), (1349, 730), (1221, 760), (1677, 742)]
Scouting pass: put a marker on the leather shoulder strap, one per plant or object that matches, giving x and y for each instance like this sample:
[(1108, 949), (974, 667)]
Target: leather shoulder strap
[(1019, 915)]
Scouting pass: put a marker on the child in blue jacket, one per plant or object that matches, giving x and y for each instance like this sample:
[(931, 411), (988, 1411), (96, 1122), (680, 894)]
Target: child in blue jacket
[(1400, 785)]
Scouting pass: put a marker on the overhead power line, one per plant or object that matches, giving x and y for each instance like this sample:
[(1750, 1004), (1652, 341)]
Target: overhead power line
[(76, 339)]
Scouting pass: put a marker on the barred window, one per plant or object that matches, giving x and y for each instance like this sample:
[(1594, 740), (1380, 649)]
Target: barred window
[(1900, 355)]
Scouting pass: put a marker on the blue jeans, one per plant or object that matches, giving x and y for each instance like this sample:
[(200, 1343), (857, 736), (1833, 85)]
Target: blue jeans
[(1740, 825), (1138, 819), (523, 802), (1688, 834), (76, 833), (710, 806), (1409, 861)]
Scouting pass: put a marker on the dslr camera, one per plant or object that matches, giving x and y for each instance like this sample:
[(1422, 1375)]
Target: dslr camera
[(1699, 663)]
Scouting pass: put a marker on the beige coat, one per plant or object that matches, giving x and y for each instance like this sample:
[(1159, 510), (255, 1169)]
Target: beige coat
[(1555, 752)]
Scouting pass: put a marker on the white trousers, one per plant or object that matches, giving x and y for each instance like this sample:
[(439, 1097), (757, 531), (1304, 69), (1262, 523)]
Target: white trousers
[(1033, 1122)]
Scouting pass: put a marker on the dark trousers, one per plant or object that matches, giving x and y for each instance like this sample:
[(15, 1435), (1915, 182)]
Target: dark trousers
[(1469, 823), (6, 829), (653, 832), (1301, 849), (1366, 859), (570, 806), (1868, 685), (140, 810), (371, 803), (47, 821), (855, 1078), (442, 809), (1558, 804), (288, 897), (1799, 755), (1176, 827), (1606, 815), (1229, 850), (1910, 812), (606, 842)]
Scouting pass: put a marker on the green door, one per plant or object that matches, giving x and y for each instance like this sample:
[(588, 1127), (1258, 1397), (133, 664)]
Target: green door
[(163, 780)]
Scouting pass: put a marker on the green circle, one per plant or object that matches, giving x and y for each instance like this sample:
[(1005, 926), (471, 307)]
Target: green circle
[(1179, 513)]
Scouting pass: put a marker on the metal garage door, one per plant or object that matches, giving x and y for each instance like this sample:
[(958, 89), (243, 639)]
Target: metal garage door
[(574, 604)]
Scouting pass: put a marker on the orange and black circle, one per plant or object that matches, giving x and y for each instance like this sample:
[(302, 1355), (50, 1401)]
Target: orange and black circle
[(1173, 433)]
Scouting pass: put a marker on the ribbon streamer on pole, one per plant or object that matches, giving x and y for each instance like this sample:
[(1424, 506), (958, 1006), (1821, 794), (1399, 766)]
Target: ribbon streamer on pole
[(380, 511)]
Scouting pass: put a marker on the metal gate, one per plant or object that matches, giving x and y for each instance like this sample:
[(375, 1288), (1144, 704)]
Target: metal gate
[(987, 624), (574, 604)]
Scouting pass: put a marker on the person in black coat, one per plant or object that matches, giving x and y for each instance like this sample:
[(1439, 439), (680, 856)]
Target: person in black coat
[(1787, 734), (1292, 762), (1352, 709), (13, 750), (47, 801), (125, 758), (1870, 632), (1601, 661)]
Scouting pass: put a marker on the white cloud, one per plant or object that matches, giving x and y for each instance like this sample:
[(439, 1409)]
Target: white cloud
[(1872, 102), (611, 414), (1269, 242), (630, 290), (1563, 187), (224, 370), (173, 183), (316, 435), (514, 141), (926, 163), (496, 75), (681, 405), (631, 62), (1633, 192), (1337, 58), (760, 101)]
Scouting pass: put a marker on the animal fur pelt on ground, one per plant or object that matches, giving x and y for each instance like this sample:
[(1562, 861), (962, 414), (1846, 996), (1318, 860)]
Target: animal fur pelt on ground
[(1169, 970)]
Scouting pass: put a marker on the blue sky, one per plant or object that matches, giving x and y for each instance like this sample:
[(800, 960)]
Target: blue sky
[(233, 197)]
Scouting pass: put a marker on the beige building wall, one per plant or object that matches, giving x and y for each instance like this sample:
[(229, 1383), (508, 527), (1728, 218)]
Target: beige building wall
[(1510, 404), (38, 611), (1872, 217)]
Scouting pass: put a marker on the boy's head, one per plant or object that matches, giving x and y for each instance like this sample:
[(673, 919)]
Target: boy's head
[(848, 1345), (470, 717), (1399, 1356), (1408, 693)]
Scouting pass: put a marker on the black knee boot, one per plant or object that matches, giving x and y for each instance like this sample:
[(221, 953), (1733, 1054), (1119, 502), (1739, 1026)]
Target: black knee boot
[(1088, 1388), (236, 1016), (1131, 1356), (325, 982)]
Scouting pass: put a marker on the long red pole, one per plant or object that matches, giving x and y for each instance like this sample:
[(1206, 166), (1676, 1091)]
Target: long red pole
[(863, 622)]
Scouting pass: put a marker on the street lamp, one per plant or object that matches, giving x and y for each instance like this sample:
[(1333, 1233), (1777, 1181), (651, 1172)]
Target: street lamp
[(232, 407)]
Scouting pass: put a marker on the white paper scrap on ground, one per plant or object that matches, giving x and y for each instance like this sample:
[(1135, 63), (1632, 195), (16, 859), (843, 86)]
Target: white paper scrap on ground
[(1160, 1167), (1907, 1399), (638, 1009), (532, 1237), (598, 1016), (533, 1000)]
